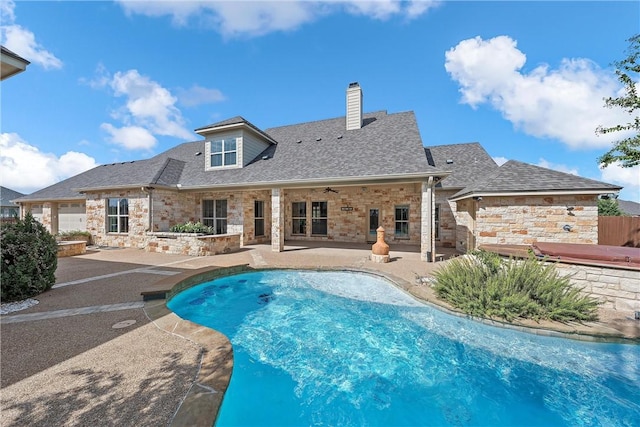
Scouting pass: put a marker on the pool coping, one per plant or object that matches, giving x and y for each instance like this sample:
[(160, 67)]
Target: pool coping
[(202, 403)]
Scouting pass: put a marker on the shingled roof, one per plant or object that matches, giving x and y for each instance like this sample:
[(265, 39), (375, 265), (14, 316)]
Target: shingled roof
[(518, 177), (629, 208), (7, 196), (387, 147), (467, 163)]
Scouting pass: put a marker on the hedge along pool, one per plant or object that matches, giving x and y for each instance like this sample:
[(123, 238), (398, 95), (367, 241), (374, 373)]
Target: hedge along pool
[(346, 348)]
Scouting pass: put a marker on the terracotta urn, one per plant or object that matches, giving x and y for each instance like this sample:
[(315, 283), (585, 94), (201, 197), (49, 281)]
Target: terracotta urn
[(380, 247)]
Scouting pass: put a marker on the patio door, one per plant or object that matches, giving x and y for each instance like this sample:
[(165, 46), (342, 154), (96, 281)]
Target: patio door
[(373, 222)]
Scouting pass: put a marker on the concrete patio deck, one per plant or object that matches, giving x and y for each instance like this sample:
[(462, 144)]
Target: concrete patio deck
[(89, 353)]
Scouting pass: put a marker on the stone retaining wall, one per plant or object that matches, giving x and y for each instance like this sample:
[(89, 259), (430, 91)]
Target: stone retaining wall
[(617, 288), (71, 248), (192, 245)]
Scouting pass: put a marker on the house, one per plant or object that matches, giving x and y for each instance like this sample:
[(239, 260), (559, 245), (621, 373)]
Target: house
[(515, 203), (629, 208), (11, 63), (9, 209), (330, 180)]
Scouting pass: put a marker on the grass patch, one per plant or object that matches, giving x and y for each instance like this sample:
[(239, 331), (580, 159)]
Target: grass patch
[(486, 285)]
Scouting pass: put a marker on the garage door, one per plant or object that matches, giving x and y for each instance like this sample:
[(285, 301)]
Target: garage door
[(72, 217)]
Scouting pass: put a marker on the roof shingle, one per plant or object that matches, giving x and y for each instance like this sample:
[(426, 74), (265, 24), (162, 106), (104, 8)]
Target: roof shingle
[(514, 176)]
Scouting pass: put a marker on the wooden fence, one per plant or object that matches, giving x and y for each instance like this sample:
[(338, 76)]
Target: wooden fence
[(619, 231)]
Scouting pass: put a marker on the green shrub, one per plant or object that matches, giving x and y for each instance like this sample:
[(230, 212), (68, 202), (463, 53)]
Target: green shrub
[(192, 227), (29, 258), (485, 285)]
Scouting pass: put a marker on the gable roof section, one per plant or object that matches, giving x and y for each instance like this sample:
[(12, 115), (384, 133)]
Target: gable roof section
[(7, 196), (232, 123), (467, 163), (160, 170), (514, 178), (388, 147)]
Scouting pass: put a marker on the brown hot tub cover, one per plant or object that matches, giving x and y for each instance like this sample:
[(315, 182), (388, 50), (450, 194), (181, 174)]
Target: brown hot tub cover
[(619, 255)]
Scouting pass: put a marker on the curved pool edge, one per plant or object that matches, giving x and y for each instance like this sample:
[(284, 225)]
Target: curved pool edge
[(201, 405)]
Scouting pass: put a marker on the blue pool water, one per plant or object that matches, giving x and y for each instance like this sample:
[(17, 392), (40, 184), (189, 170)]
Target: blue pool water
[(342, 348)]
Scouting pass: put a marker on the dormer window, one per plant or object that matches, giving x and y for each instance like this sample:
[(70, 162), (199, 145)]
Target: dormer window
[(224, 152)]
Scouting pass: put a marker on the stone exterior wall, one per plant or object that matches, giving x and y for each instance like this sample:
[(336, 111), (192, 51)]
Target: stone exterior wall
[(616, 288), (171, 207), (447, 225), (525, 220), (465, 214), (249, 197), (138, 218), (157, 210), (350, 225)]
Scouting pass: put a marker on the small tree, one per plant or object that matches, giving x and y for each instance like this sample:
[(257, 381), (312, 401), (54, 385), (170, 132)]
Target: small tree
[(28, 259), (609, 207), (625, 151)]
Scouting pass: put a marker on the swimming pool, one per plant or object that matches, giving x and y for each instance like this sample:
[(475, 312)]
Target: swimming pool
[(345, 348)]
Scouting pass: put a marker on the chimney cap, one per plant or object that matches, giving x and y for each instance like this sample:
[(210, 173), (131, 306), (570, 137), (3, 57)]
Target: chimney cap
[(354, 84)]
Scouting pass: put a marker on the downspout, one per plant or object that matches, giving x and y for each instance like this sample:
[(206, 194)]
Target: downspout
[(432, 234)]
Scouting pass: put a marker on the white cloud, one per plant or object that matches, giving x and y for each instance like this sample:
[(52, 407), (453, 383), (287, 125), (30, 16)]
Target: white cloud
[(130, 137), (198, 95), (6, 11), (23, 42), (629, 178), (557, 167), (255, 18), (26, 169), (500, 160), (564, 103), (149, 110)]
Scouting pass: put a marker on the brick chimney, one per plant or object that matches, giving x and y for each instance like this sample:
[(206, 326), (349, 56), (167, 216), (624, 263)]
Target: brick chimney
[(354, 106)]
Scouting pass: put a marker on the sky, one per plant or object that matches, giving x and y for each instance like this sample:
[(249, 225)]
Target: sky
[(113, 81)]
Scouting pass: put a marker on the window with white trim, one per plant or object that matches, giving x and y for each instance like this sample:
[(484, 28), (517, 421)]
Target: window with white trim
[(299, 217), (117, 215), (402, 222), (224, 152), (258, 217), (319, 218), (214, 214)]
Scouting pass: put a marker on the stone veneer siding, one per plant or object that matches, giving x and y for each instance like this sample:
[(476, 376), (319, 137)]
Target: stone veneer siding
[(168, 208), (249, 197), (447, 227), (351, 225), (526, 220), (616, 288)]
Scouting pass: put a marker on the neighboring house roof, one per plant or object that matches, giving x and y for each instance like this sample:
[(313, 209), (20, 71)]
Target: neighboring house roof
[(11, 63), (387, 147), (467, 163), (629, 208), (7, 196), (516, 177)]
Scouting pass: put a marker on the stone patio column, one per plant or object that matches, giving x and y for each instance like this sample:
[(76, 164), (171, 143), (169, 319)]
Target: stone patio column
[(277, 219), (427, 240)]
